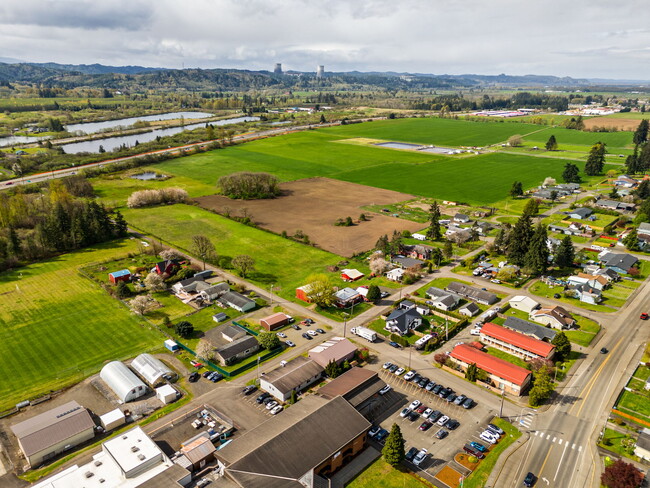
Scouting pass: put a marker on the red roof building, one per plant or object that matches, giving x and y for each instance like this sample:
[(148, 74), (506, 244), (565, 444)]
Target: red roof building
[(275, 321), (501, 374), (515, 343)]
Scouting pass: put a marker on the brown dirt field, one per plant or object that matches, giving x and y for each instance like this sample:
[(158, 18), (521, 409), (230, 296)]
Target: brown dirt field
[(313, 205), (620, 124), (449, 477)]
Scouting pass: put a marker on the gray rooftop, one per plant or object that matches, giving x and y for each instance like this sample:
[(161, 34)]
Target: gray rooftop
[(471, 292), (294, 373), (528, 328), (237, 346)]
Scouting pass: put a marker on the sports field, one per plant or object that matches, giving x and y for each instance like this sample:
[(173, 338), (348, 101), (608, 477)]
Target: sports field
[(57, 327)]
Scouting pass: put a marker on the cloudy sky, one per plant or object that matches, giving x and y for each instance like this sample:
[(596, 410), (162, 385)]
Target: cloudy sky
[(578, 38)]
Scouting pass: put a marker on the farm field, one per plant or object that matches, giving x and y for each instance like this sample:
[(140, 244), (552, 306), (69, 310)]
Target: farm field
[(313, 205), (614, 140), (57, 327)]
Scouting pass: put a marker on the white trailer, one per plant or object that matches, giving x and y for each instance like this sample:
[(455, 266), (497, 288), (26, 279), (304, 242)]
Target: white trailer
[(364, 332)]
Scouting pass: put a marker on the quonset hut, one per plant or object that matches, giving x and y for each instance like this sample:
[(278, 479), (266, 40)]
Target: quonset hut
[(124, 383)]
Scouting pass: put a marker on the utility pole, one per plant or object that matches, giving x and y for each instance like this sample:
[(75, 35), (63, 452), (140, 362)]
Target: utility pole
[(410, 349), (345, 322), (501, 407), (271, 294), (258, 370)]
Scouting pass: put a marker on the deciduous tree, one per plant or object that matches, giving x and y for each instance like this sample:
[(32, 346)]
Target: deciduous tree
[(268, 340), (205, 349), (621, 475), (321, 290), (141, 304), (154, 282), (202, 246), (562, 346), (332, 369), (244, 264)]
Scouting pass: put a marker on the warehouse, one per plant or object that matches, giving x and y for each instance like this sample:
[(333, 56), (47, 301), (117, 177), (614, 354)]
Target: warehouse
[(296, 375), (53, 432), (152, 369), (336, 349), (124, 383)]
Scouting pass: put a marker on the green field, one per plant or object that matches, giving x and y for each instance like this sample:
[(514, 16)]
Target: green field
[(57, 327), (567, 138), (380, 474)]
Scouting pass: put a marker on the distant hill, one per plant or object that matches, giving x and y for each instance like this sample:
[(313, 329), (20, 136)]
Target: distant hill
[(97, 69)]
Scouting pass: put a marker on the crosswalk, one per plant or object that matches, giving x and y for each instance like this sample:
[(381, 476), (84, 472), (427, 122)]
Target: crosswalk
[(527, 420), (556, 440)]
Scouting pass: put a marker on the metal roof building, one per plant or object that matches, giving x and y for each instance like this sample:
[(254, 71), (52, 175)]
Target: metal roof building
[(152, 369), (124, 383)]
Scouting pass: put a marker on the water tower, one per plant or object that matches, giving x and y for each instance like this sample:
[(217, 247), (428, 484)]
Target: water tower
[(278, 69), (320, 71)]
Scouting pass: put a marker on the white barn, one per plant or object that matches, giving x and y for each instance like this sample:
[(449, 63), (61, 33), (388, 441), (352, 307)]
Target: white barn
[(152, 369), (124, 383)]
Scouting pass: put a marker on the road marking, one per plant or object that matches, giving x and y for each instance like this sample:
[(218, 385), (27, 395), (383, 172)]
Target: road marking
[(573, 447), (560, 463), (554, 439), (579, 448), (548, 454), (548, 436)]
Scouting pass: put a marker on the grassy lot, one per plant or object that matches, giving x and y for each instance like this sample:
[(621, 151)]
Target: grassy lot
[(543, 290), (493, 351), (614, 441), (58, 327), (569, 139), (636, 404), (380, 474), (479, 477)]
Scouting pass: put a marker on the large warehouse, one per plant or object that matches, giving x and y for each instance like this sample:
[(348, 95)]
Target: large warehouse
[(152, 369), (124, 383), (53, 432)]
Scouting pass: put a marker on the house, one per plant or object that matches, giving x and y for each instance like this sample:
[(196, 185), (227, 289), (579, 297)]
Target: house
[(624, 181), (475, 294), (351, 275), (302, 293), (236, 350), (197, 452), (556, 317), (402, 321), (215, 291), (337, 349), (395, 274), (642, 448), (621, 263), (644, 228), (418, 251), (231, 333), (587, 294), (219, 317), (406, 305), (539, 332), (515, 343), (568, 187), (296, 375), (347, 297), (483, 228), (580, 213), (523, 303), (167, 267), (572, 231), (644, 241), (452, 229), (470, 309), (53, 432), (501, 374), (406, 263), (419, 237), (462, 218), (190, 285), (593, 281), (359, 386), (609, 274), (302, 447), (275, 321), (235, 300), (443, 300), (121, 275)]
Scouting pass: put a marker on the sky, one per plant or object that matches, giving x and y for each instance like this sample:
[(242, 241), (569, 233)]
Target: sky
[(577, 38)]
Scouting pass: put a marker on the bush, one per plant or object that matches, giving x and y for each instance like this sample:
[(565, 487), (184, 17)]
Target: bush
[(147, 198), (249, 186)]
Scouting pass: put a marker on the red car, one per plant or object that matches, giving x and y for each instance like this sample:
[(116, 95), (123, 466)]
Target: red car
[(421, 409), (644, 316)]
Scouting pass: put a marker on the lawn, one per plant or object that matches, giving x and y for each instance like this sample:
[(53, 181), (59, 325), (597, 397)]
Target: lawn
[(380, 474), (635, 404), (58, 327), (493, 351), (543, 290), (614, 441)]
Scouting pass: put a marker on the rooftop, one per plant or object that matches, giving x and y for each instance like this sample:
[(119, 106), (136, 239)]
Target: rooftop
[(332, 349), (493, 365), (294, 373), (517, 339), (538, 331)]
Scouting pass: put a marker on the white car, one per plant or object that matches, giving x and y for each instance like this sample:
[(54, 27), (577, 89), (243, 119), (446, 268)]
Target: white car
[(282, 335), (427, 413), (475, 332), (420, 456), (405, 412), (409, 376), (414, 404), (385, 390), (488, 438), (271, 405), (400, 371), (290, 344), (442, 420), (387, 365), (312, 333), (276, 410)]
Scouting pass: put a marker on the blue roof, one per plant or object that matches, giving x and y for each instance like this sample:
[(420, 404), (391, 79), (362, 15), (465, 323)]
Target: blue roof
[(122, 272)]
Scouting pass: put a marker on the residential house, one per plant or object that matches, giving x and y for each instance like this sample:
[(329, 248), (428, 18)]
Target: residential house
[(402, 321), (395, 274), (592, 281), (515, 343), (552, 243), (419, 237), (528, 328), (418, 251), (351, 275), (406, 262), (642, 448), (621, 263), (607, 204), (587, 294), (235, 300), (231, 333), (347, 297), (462, 218), (296, 375), (644, 241), (236, 350), (570, 187), (452, 229), (337, 349), (556, 317), (523, 303), (624, 181), (475, 294), (470, 309), (609, 274), (644, 228), (167, 267), (215, 291), (191, 285), (443, 300), (580, 213), (501, 374), (572, 231), (483, 228)]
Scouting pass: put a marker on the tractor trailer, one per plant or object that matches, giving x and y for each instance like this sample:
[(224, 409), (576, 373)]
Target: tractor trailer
[(364, 332)]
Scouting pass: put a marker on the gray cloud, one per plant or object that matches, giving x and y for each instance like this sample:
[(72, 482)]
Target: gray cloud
[(581, 38)]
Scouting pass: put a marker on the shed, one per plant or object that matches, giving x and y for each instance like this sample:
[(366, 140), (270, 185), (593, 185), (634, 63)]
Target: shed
[(121, 275), (351, 275), (419, 237), (112, 419), (275, 321), (302, 293), (166, 394), (171, 345), (124, 383), (219, 317), (152, 369)]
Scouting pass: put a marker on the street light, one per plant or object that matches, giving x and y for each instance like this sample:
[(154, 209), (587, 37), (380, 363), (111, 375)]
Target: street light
[(345, 321), (501, 407), (271, 294)]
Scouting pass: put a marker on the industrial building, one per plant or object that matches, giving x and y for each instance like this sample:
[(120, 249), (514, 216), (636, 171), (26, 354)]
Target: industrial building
[(53, 432), (295, 375), (124, 383), (152, 369), (337, 349)]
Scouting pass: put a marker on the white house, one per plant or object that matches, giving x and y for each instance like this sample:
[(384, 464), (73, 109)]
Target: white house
[(523, 303), (419, 237), (469, 309), (395, 274)]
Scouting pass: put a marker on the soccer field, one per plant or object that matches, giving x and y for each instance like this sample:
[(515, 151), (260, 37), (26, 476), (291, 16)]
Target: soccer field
[(57, 327)]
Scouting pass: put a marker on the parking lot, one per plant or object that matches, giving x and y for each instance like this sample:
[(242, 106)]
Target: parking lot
[(441, 451), (296, 336)]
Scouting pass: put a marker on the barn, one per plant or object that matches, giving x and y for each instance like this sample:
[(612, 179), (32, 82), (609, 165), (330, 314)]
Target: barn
[(351, 275), (166, 267), (124, 383), (152, 369), (302, 293), (275, 321), (121, 275)]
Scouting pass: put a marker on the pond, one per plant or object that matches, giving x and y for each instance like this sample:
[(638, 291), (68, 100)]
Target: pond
[(93, 127), (148, 175)]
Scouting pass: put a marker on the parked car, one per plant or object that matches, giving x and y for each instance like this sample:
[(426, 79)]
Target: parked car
[(306, 336), (529, 480), (488, 438), (400, 371), (459, 399), (452, 424), (442, 420), (290, 343), (277, 409), (393, 368), (475, 332), (295, 326), (374, 430), (249, 389), (267, 400), (478, 446), (643, 316), (387, 365), (427, 413), (385, 390), (426, 425), (312, 333), (263, 396), (413, 416), (473, 452), (435, 415), (451, 398), (272, 404), (496, 429), (409, 375), (381, 435), (307, 322), (445, 392), (384, 294), (436, 389), (320, 331), (423, 382), (414, 404), (410, 454), (405, 412), (430, 386), (282, 335), (216, 377), (194, 377), (206, 374), (468, 403), (419, 457), (421, 409), (416, 379), (441, 434), (394, 344)]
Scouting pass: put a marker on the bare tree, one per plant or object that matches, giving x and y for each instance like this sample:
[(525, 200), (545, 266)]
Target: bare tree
[(205, 349), (142, 304), (155, 282), (145, 198), (202, 246), (244, 264), (170, 255), (515, 140), (378, 265)]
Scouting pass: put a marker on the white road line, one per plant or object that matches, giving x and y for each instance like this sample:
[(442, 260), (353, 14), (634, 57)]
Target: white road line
[(548, 436), (579, 448), (573, 447), (560, 463), (554, 439)]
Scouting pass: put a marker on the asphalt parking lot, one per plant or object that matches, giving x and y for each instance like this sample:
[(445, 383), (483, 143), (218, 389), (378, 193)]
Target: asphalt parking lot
[(296, 335), (472, 422)]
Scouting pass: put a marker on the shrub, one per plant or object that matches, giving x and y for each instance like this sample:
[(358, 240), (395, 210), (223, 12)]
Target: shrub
[(249, 186), (147, 198)]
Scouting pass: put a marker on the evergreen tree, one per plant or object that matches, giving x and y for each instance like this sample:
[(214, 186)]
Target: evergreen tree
[(516, 190), (471, 372), (542, 387), (641, 133), (383, 245), (562, 346), (643, 190), (565, 253), (537, 256), (595, 160), (502, 238), (519, 240), (121, 227), (571, 174), (632, 162), (13, 247), (332, 369), (395, 243), (374, 293), (122, 290), (551, 144), (448, 250), (393, 450), (184, 329), (532, 207), (643, 161), (631, 241), (433, 232)]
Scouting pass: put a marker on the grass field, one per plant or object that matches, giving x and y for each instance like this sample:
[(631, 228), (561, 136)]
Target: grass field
[(615, 441), (578, 140), (57, 327), (636, 404), (380, 474), (493, 351)]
